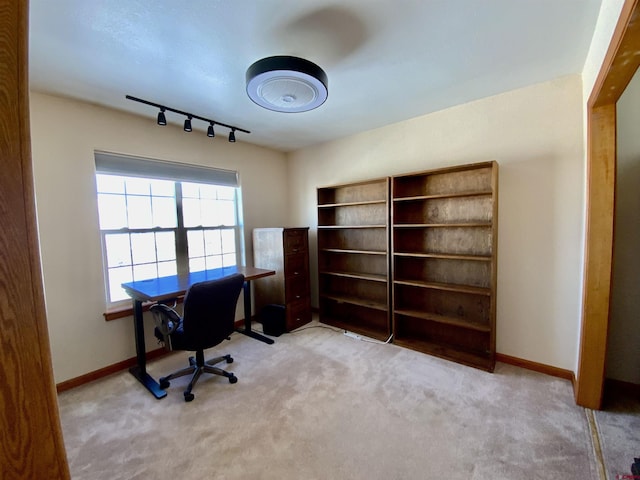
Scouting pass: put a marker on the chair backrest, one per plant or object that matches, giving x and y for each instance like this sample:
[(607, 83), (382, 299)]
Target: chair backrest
[(209, 311)]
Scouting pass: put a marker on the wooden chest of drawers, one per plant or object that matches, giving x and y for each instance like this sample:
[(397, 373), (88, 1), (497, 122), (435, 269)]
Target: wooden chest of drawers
[(285, 250)]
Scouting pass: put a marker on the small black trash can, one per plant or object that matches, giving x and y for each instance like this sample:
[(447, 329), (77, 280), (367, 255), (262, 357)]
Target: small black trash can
[(272, 318)]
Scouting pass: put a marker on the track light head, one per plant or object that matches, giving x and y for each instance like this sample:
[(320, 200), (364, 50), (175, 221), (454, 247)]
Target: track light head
[(162, 120), (210, 132), (232, 135), (187, 124)]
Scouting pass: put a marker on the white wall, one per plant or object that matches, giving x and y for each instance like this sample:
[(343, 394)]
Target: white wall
[(536, 136), (623, 351), (64, 135)]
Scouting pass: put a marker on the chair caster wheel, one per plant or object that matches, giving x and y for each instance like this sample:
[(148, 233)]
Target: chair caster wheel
[(229, 359), (233, 379), (164, 384), (188, 396)]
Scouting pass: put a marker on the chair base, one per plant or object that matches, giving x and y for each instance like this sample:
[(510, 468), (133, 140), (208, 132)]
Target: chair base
[(198, 366)]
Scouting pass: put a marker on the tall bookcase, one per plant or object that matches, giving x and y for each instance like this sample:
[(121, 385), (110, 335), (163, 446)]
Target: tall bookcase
[(353, 257), (444, 242)]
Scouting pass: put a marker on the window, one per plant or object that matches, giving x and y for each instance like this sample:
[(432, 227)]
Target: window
[(153, 227)]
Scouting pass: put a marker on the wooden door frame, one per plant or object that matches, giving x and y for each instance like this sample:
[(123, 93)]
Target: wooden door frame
[(619, 66), (32, 444)]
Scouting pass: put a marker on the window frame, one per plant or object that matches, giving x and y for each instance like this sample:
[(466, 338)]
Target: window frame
[(131, 167)]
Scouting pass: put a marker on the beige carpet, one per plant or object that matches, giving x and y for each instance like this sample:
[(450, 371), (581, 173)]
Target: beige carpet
[(320, 405)]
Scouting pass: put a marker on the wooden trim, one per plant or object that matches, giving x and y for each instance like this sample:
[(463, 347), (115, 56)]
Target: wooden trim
[(106, 371), (115, 313), (619, 66), (601, 175), (32, 446), (161, 352), (127, 311), (536, 367)]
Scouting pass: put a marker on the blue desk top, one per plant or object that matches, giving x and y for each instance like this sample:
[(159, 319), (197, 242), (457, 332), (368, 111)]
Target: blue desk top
[(176, 285)]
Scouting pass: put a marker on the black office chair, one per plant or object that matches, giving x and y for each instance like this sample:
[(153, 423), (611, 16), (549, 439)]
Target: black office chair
[(208, 319)]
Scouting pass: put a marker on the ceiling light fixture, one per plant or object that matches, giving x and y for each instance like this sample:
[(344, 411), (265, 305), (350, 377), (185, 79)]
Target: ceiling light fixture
[(287, 84), (187, 124), (162, 120)]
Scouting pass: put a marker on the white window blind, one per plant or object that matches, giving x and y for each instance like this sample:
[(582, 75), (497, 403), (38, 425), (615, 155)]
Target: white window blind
[(130, 166)]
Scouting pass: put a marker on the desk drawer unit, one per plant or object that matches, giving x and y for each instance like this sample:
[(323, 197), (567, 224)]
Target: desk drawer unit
[(296, 276), (296, 241), (298, 313), (285, 250), (296, 286)]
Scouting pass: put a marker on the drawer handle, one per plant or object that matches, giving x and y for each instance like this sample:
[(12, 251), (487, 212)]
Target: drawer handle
[(295, 249), (297, 296), (296, 273)]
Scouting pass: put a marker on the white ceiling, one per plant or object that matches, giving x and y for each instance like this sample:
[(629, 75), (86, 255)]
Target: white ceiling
[(386, 61)]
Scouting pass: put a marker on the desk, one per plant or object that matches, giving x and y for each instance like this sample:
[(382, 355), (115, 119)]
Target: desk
[(165, 288)]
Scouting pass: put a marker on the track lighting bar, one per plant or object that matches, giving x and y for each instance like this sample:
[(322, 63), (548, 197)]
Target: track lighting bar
[(187, 123)]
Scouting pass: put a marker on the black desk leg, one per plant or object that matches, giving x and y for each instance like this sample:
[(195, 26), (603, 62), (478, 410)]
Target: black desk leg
[(140, 369), (247, 317)]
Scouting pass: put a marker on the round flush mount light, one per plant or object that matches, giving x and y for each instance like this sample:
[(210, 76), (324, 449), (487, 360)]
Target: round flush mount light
[(287, 84)]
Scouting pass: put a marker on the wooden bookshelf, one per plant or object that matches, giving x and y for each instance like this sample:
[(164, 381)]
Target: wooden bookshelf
[(353, 257), (444, 243)]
